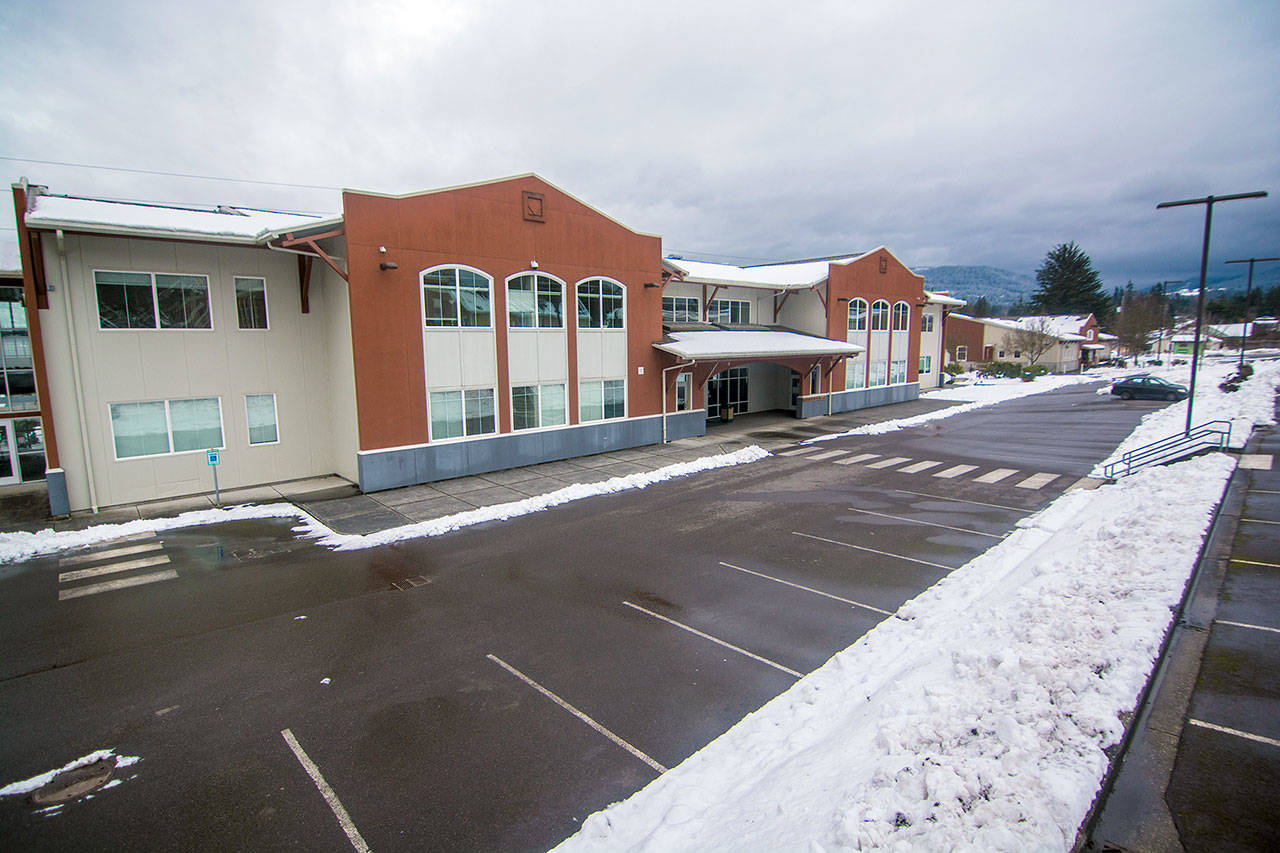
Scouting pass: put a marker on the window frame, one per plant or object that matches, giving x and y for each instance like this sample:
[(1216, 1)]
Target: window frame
[(926, 364), (898, 371), (864, 318), (457, 300), (600, 296), (541, 425), (687, 317), (537, 276), (880, 316), (266, 307), (603, 415), (168, 424), (962, 352), (462, 399), (732, 304), (155, 302), (275, 413), (926, 322), (905, 314)]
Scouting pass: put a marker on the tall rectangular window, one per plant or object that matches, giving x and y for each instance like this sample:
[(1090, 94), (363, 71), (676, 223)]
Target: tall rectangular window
[(898, 372), (261, 412), (684, 399), (926, 322), (478, 406), (602, 400), (552, 405), (446, 414), (729, 311), (926, 364), (855, 372), (534, 406), (159, 427), (251, 302), (878, 374), (962, 353), (680, 309), (17, 374)]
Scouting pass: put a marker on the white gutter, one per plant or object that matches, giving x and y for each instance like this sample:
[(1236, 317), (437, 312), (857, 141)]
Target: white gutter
[(75, 370)]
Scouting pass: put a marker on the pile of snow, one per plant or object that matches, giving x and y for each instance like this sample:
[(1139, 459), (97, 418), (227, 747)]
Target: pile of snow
[(976, 719), (21, 545), (26, 786), (1252, 405)]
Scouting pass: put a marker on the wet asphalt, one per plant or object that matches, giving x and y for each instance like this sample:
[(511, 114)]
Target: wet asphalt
[(425, 738)]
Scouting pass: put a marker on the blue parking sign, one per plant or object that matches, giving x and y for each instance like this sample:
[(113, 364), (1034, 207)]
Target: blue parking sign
[(213, 456)]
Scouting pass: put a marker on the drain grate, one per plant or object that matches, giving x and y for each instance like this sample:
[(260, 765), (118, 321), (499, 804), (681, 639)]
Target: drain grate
[(70, 784), (410, 583)]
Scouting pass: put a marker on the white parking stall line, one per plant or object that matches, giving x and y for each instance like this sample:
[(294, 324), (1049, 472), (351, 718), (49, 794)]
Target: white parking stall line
[(119, 583), (919, 466), (581, 716), (1037, 481), (798, 451), (861, 457), (848, 601), (1022, 510), (873, 551), (955, 471), (890, 462), (344, 819), (1263, 492), (1256, 461), (829, 454), (1247, 625), (110, 554), (1229, 731), (996, 475), (1259, 521), (716, 640), (1255, 563), (929, 523), (112, 568), (132, 537)]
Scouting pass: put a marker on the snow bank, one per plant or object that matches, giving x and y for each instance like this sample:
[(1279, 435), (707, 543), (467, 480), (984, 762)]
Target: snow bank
[(21, 545), (976, 719), (26, 786), (1252, 405)]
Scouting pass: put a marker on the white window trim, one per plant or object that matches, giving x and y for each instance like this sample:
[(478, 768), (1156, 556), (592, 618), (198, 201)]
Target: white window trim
[(888, 318), (697, 308), (626, 315), (275, 410), (422, 302), (730, 303), (266, 302), (564, 297), (906, 325), (511, 399), (155, 306), (866, 315), (497, 413), (962, 352), (168, 427)]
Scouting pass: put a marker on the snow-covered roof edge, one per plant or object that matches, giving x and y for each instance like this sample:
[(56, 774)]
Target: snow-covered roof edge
[(943, 298), (752, 343)]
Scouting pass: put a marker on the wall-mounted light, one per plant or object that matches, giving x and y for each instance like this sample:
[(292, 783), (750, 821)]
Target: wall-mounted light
[(533, 265), (842, 299), (388, 265), (652, 284)]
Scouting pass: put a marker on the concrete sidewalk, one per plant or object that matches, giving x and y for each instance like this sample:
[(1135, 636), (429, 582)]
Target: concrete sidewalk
[(340, 505)]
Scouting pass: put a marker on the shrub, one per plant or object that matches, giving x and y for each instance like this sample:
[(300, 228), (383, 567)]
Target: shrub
[(954, 368), (992, 369), (1031, 371)]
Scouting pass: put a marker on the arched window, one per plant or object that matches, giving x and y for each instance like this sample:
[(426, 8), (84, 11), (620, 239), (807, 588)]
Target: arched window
[(600, 304), (879, 316), (535, 300), (901, 316), (455, 296), (858, 315)]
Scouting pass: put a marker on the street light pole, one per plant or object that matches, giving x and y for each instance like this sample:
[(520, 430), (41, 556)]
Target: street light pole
[(1248, 289), (1166, 310), (1208, 202)]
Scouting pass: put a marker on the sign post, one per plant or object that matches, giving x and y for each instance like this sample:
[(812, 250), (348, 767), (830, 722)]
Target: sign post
[(213, 457)]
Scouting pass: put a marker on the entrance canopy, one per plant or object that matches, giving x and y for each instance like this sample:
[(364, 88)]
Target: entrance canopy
[(753, 345)]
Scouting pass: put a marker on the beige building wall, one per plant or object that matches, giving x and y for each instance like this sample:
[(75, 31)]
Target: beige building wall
[(304, 359)]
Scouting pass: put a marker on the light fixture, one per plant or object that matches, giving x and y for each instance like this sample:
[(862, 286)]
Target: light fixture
[(652, 284), (388, 265), (533, 265)]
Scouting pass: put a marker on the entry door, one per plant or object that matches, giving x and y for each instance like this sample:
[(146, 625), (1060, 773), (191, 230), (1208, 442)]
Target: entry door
[(9, 473)]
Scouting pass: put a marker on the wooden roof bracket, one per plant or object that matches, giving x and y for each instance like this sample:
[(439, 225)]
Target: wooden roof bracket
[(822, 294), (304, 281), (291, 242), (706, 302)]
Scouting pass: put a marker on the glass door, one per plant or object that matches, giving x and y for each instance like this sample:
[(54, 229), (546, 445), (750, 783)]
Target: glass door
[(8, 456)]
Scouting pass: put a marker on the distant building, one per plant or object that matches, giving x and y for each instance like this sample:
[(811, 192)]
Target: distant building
[(1077, 342)]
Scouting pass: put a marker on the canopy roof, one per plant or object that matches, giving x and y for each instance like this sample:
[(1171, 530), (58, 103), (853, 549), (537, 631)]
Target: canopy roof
[(749, 344)]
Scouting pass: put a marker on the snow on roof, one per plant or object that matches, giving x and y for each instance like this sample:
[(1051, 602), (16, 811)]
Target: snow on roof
[(1058, 326), (943, 298), (222, 224), (1232, 330), (751, 344), (772, 276)]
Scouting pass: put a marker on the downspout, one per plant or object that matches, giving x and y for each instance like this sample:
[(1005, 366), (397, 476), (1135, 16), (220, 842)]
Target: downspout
[(75, 370), (664, 394)]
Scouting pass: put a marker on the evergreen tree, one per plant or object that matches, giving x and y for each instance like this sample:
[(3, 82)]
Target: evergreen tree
[(982, 308), (1070, 285)]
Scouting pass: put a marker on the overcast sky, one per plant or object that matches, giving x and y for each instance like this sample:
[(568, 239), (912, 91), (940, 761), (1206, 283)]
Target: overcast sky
[(953, 135)]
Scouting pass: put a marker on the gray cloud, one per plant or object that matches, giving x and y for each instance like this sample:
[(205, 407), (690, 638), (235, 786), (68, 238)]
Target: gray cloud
[(762, 130)]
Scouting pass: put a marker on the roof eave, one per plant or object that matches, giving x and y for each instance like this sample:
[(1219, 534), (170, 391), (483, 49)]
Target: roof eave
[(128, 231)]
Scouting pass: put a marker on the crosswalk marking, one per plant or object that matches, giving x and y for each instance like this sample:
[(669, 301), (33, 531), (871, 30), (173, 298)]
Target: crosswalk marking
[(955, 471), (1037, 481), (830, 454), (861, 457), (798, 451), (996, 475), (1085, 483), (112, 568), (918, 467), (118, 583), (110, 553), (890, 462)]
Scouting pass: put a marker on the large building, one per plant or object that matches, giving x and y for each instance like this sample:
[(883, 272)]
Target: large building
[(420, 337)]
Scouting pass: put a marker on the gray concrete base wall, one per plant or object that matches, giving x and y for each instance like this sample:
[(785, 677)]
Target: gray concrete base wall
[(861, 398), (59, 500), (426, 463)]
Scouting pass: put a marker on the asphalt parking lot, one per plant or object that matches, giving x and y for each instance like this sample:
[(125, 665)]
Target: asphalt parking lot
[(534, 671)]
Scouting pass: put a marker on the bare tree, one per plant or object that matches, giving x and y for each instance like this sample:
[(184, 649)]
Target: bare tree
[(1032, 338), (1140, 316)]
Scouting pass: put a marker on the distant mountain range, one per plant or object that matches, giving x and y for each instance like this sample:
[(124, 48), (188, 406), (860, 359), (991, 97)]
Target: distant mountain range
[(1003, 287)]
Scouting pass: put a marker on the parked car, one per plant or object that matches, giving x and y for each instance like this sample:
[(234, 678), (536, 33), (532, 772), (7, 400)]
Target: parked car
[(1148, 388)]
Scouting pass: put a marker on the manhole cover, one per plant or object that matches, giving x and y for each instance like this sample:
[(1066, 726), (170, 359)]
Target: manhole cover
[(70, 784)]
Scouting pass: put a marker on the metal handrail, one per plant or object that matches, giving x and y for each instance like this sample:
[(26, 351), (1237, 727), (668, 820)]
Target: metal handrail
[(1210, 434)]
